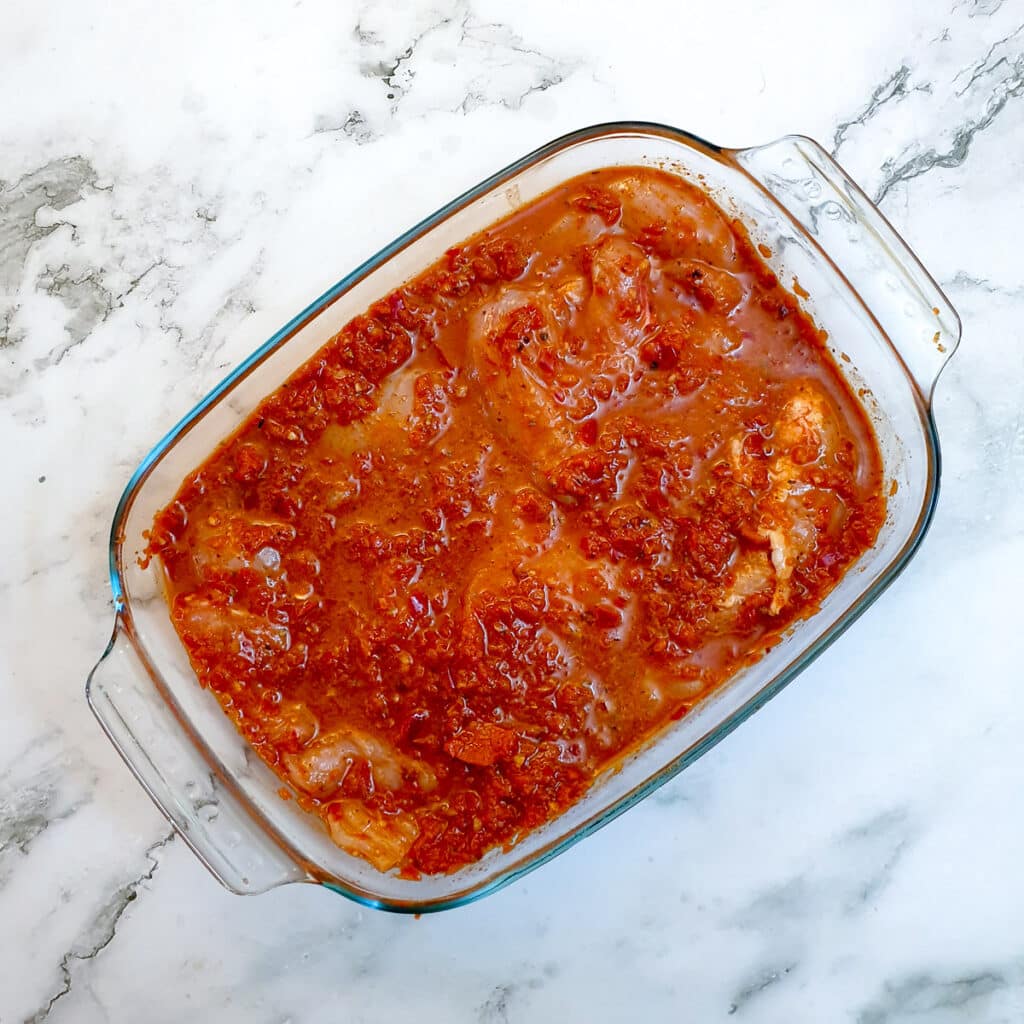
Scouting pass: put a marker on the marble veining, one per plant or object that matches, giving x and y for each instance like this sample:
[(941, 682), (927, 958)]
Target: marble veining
[(970, 99), (437, 59), (175, 183), (102, 929)]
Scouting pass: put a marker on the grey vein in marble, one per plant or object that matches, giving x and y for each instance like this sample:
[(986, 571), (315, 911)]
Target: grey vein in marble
[(893, 89), (980, 8), (921, 995), (42, 786), (496, 1008), (353, 126), (963, 281), (480, 60), (885, 839), (764, 981), (85, 297), (500, 1006), (999, 76), (394, 73), (102, 929), (55, 185), (845, 877)]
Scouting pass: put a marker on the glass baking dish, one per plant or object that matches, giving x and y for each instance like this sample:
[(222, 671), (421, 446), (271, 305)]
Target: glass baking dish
[(889, 326)]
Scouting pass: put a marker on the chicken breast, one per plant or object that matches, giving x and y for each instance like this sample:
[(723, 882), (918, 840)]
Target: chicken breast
[(802, 435)]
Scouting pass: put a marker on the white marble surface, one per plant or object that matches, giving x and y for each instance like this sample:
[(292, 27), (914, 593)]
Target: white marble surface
[(176, 181)]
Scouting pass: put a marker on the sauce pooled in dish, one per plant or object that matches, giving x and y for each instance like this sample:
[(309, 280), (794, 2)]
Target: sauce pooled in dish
[(520, 516)]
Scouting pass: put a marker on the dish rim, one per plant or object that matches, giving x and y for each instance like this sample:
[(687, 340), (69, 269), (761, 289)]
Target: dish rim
[(490, 884)]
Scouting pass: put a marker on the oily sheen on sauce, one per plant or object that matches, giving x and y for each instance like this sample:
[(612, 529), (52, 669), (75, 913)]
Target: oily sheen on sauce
[(519, 517)]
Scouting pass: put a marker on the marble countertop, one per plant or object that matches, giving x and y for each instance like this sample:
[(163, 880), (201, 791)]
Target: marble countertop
[(177, 180)]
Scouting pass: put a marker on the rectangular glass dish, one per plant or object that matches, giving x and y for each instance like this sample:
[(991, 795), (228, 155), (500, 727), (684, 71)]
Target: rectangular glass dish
[(889, 328)]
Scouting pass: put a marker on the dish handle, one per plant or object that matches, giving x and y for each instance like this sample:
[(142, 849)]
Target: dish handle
[(911, 308), (156, 747)]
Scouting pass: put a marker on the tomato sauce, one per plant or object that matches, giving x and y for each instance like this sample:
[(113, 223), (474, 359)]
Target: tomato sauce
[(520, 516)]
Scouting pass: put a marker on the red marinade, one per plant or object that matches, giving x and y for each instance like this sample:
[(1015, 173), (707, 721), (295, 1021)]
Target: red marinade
[(518, 517)]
